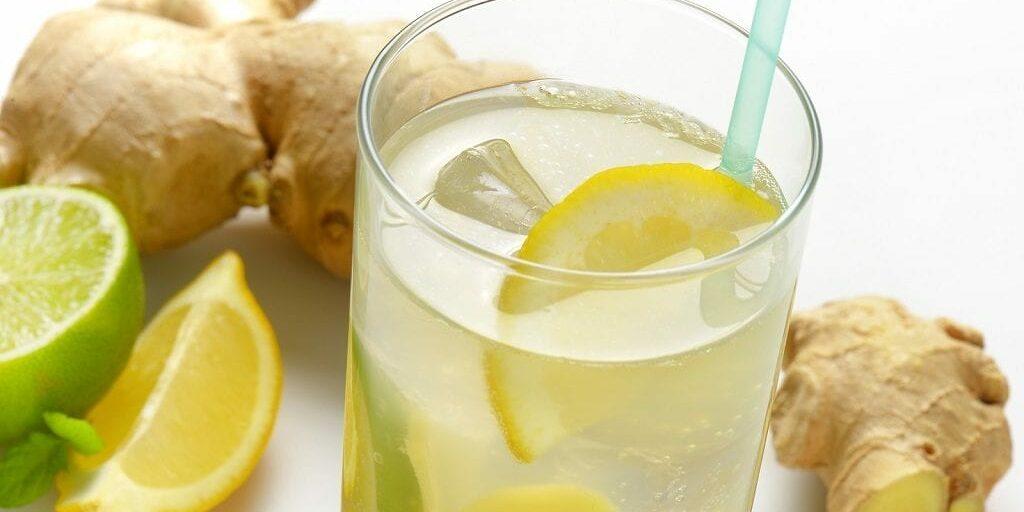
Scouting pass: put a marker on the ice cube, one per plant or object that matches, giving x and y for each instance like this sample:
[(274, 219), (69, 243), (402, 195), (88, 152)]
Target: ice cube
[(488, 183)]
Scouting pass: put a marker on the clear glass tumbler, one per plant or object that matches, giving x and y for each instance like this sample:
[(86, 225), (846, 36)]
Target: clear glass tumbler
[(480, 381)]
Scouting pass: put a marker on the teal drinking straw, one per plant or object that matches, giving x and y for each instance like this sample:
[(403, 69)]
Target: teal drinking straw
[(752, 93)]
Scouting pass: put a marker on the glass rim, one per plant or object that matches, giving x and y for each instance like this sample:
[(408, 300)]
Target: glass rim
[(365, 133)]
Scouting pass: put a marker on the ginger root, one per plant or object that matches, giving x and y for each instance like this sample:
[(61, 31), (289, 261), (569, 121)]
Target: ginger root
[(211, 13), (894, 412), (182, 123)]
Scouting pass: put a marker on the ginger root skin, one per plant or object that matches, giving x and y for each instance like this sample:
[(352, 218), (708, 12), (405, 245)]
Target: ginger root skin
[(213, 13), (11, 163), (894, 412), (177, 121)]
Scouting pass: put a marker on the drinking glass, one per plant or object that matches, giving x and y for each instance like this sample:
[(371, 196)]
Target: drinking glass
[(638, 391)]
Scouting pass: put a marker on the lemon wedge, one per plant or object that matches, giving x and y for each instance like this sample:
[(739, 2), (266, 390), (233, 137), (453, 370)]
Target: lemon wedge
[(543, 498), (626, 218), (188, 419), (622, 219)]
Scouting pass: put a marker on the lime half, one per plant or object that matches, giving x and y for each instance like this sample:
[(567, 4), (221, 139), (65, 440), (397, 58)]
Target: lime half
[(71, 302)]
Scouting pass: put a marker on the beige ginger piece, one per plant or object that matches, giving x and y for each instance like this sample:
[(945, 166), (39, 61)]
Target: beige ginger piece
[(894, 412), (211, 13), (183, 125)]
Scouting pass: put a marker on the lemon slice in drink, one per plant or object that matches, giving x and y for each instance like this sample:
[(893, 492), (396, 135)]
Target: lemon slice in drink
[(627, 218), (186, 422), (622, 219), (71, 302), (540, 400), (543, 498)]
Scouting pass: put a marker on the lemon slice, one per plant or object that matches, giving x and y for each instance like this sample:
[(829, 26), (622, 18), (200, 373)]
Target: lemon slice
[(626, 218), (188, 419), (543, 498), (622, 219), (538, 401)]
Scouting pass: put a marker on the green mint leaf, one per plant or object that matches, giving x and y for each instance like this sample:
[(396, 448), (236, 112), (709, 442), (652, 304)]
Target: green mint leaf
[(27, 468), (79, 433)]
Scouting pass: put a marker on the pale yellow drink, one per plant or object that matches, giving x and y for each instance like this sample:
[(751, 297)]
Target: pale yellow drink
[(651, 396)]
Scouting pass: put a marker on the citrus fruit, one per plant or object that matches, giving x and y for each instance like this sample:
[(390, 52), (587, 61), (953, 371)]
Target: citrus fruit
[(626, 218), (619, 220), (187, 421), (71, 303), (543, 498), (538, 400)]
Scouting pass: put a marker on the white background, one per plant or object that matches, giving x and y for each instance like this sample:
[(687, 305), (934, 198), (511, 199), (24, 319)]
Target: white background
[(922, 106)]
